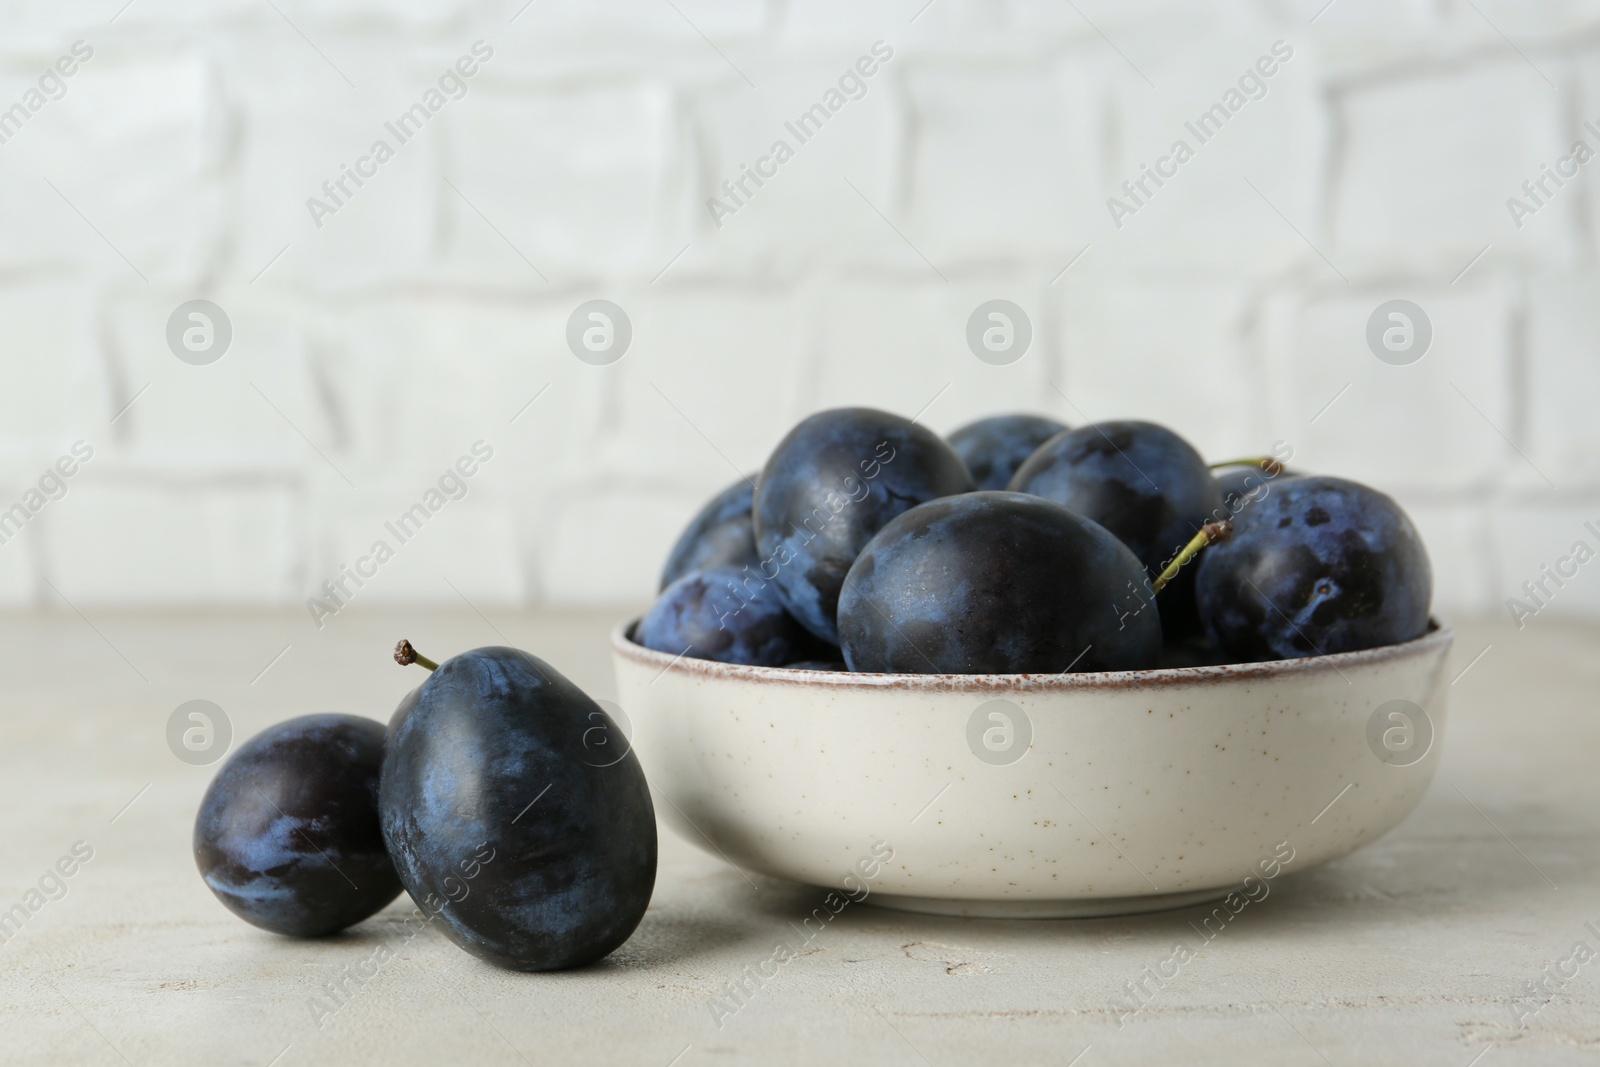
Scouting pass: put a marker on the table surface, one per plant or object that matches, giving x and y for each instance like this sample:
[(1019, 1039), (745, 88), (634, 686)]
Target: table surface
[(1450, 941)]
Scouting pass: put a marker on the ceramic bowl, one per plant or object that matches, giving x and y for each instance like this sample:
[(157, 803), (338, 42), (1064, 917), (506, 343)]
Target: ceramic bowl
[(1038, 795)]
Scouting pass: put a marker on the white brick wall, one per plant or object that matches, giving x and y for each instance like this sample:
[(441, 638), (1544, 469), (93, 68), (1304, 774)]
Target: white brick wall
[(371, 352)]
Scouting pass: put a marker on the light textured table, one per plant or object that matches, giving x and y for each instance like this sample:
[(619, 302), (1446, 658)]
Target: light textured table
[(1415, 950)]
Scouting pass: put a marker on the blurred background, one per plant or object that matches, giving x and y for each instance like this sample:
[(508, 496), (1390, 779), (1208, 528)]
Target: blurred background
[(360, 335)]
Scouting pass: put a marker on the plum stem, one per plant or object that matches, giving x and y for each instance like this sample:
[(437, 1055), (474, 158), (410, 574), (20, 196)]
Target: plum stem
[(405, 655), (1271, 467), (1210, 533)]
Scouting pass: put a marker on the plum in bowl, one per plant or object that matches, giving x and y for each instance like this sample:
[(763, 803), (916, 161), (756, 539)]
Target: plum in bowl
[(1039, 795)]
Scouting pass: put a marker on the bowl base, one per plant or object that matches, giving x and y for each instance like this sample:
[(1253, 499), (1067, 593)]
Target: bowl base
[(1088, 908)]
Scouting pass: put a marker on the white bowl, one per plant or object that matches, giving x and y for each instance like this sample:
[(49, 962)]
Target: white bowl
[(1038, 795)]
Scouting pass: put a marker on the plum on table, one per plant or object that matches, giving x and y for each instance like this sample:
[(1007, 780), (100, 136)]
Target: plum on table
[(509, 815), (287, 836)]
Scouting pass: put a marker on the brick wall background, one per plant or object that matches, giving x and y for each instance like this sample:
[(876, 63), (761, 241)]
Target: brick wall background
[(371, 351)]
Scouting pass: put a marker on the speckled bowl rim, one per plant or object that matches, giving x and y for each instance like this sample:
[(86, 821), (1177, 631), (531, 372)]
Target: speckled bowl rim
[(1439, 636)]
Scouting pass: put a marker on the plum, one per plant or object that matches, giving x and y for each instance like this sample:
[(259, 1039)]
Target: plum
[(1145, 484), (504, 821), (996, 583), (724, 613), (721, 532), (993, 448), (1243, 485), (1320, 565), (832, 483), (287, 836)]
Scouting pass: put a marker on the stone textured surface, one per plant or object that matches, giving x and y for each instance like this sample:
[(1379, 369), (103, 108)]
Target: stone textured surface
[(374, 347), (1415, 950)]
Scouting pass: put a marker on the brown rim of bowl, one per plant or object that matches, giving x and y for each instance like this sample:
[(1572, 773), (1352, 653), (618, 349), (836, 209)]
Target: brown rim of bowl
[(1438, 637)]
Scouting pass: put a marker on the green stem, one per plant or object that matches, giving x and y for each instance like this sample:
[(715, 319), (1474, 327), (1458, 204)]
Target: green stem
[(405, 655), (1271, 467), (1210, 533)]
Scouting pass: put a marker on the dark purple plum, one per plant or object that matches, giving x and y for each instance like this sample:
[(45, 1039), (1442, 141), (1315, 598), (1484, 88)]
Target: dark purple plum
[(995, 447), (288, 837), (720, 533), (1145, 484), (408, 701), (1319, 565), (1245, 485), (727, 614), (507, 818), (832, 483), (996, 583)]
